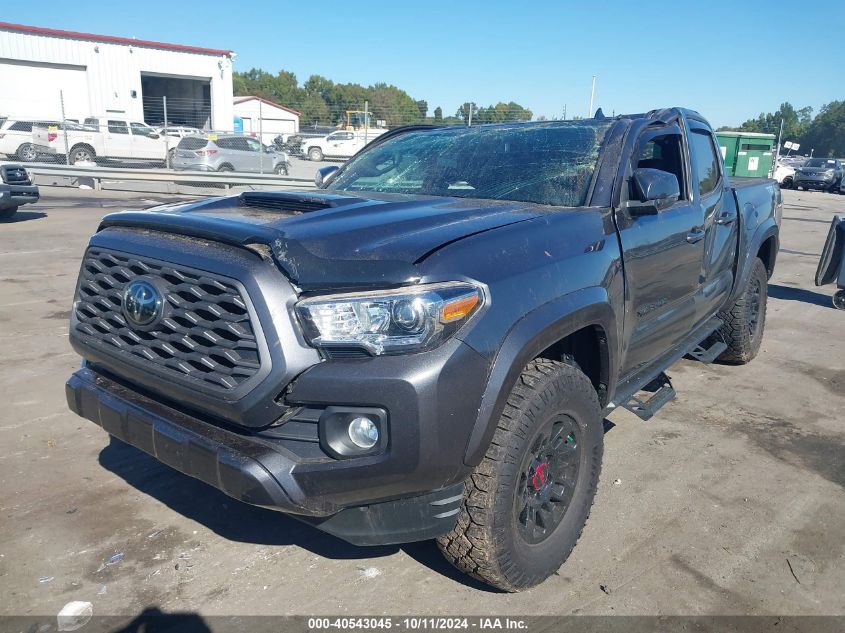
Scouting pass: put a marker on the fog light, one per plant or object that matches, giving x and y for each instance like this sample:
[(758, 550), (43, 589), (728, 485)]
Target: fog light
[(363, 432)]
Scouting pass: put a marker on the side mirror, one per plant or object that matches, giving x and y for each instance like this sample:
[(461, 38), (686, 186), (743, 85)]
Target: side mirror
[(324, 175), (654, 189), (153, 135)]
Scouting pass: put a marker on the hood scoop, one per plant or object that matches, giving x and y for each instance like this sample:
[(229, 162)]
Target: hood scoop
[(291, 203)]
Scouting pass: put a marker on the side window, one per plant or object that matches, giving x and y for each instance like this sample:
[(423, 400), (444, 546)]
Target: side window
[(705, 163), (139, 129), (118, 127), (21, 126), (224, 143), (253, 145), (662, 151)]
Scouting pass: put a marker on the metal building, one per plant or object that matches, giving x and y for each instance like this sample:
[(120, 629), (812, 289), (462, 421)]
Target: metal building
[(104, 75), (262, 117)]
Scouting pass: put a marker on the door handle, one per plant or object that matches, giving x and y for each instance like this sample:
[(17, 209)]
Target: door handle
[(726, 217), (696, 235)]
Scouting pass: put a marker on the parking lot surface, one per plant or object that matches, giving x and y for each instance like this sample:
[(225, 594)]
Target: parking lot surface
[(731, 500)]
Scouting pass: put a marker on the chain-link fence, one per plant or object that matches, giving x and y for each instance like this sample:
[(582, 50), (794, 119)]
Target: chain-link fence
[(264, 138)]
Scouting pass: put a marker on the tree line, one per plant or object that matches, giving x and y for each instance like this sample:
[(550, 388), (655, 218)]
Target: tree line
[(321, 101), (824, 134)]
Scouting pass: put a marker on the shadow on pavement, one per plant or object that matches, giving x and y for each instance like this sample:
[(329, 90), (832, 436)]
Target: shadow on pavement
[(787, 293), (23, 216), (236, 521)]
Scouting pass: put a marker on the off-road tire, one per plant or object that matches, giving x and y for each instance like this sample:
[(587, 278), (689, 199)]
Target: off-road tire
[(486, 542), (8, 214), (742, 333)]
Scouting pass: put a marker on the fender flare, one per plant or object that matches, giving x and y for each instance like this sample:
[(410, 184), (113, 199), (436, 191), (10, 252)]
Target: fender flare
[(763, 233), (535, 332)]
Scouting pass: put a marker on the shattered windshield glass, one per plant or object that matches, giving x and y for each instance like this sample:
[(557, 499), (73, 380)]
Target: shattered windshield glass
[(547, 163)]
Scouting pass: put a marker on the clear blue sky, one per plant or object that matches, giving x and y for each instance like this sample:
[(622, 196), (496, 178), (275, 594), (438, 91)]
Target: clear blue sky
[(729, 60)]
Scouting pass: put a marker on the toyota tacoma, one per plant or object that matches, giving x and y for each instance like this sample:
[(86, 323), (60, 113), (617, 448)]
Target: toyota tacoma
[(426, 346)]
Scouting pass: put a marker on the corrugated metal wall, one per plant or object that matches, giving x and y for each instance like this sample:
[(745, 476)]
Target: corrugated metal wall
[(113, 72)]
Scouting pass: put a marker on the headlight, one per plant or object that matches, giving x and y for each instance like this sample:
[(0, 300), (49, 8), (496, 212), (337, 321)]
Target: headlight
[(390, 322)]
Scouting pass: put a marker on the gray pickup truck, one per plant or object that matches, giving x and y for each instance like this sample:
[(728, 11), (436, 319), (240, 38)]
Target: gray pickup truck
[(16, 188), (426, 347)]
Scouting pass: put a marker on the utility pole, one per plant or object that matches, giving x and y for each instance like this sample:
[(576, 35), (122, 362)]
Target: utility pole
[(564, 112), (777, 152), (592, 96), (166, 139), (469, 116), (261, 156), (64, 126), (366, 121)]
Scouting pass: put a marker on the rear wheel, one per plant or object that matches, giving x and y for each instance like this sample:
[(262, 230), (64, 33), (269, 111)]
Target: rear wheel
[(26, 153), (225, 167), (315, 154), (527, 502), (281, 170), (8, 214), (744, 322), (839, 299), (81, 154)]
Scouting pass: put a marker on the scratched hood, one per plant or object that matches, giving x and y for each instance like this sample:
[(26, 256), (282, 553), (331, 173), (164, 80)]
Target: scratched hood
[(327, 240)]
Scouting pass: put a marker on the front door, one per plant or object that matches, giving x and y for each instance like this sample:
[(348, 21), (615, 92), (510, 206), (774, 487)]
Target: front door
[(662, 256), (116, 141), (143, 144)]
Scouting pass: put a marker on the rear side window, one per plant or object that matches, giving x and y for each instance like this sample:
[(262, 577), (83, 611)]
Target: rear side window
[(21, 126), (705, 163), (118, 127), (192, 142)]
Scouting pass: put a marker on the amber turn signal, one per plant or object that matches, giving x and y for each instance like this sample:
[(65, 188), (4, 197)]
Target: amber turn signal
[(459, 308)]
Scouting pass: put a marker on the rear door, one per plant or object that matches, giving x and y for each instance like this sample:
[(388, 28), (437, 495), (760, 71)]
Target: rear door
[(662, 254), (718, 205), (117, 142)]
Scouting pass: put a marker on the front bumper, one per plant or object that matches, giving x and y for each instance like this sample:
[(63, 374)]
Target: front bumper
[(254, 470), (813, 182), (16, 195)]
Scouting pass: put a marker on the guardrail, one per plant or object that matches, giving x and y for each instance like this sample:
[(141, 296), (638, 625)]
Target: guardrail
[(94, 176)]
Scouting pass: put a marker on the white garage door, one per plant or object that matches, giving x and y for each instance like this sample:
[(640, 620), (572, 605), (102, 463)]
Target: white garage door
[(31, 90)]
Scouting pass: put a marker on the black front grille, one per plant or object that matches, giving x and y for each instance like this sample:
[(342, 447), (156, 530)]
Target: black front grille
[(13, 175), (204, 334)]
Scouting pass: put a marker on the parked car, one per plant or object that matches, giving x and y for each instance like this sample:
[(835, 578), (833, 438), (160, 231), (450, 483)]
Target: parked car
[(102, 138), (179, 131), (819, 173), (784, 175), (342, 144), (16, 188), (230, 152), (427, 346), (16, 138)]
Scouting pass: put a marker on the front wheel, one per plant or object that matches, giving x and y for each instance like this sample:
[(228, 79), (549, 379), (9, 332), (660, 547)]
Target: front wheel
[(787, 183), (839, 300), (281, 170), (743, 323), (315, 154), (527, 502), (81, 154)]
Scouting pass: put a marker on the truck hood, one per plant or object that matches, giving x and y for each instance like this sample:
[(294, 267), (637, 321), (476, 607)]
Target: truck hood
[(323, 240)]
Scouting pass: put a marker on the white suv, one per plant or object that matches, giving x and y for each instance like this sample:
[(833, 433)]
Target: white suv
[(16, 140)]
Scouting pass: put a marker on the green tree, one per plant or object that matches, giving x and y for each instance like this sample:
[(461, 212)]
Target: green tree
[(826, 134), (438, 114)]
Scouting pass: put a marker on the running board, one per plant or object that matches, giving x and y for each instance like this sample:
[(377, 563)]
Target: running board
[(662, 392), (708, 355)]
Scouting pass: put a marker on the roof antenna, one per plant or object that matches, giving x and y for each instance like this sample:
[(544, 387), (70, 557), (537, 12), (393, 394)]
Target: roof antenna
[(599, 114)]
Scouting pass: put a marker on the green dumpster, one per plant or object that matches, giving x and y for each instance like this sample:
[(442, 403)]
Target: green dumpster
[(747, 153)]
